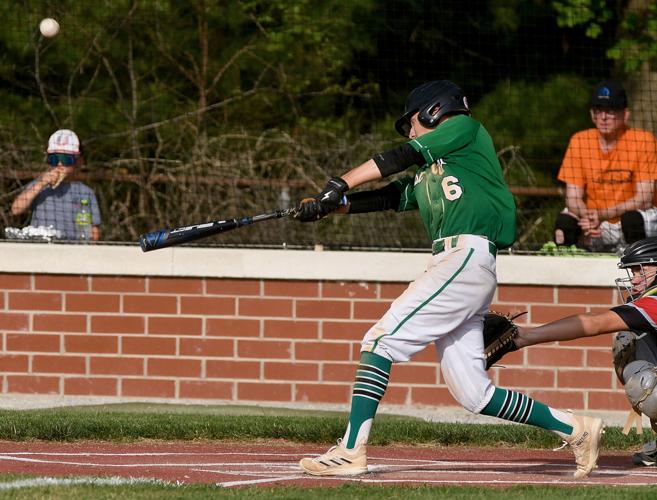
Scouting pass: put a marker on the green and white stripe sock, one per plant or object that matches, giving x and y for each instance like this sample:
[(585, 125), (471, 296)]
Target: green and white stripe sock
[(370, 386), (517, 407)]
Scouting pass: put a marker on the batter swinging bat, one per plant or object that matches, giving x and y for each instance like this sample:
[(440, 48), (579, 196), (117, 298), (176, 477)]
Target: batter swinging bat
[(170, 237)]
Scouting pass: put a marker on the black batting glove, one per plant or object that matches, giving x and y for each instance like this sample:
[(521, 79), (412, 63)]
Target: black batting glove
[(333, 195), (331, 198), (309, 210)]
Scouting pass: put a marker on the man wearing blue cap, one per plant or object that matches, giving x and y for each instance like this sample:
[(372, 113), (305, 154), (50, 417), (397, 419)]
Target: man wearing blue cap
[(609, 173)]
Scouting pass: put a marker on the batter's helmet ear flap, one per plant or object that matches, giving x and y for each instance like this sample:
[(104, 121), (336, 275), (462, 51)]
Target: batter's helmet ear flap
[(432, 101)]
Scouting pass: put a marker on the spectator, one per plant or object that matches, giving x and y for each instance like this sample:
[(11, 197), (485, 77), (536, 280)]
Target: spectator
[(609, 173), (54, 199)]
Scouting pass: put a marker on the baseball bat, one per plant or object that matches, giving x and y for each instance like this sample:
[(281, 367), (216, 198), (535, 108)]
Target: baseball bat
[(171, 237)]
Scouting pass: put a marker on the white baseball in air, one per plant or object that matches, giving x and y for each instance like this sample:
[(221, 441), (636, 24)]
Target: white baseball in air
[(49, 27)]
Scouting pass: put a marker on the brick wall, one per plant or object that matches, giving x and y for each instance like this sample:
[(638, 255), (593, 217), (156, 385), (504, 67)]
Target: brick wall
[(252, 340)]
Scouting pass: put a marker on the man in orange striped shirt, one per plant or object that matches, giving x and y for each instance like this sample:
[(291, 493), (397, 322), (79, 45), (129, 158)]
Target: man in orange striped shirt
[(609, 173)]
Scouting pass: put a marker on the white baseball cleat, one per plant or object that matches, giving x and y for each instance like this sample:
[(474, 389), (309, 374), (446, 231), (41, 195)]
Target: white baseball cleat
[(338, 461), (585, 443)]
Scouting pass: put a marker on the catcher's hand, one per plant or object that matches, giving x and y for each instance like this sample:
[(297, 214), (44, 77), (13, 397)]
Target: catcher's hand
[(499, 334)]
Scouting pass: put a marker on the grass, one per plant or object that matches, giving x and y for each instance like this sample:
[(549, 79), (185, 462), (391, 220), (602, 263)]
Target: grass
[(350, 491), (164, 422)]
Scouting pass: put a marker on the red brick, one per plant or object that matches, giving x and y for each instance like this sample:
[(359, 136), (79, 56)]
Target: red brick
[(585, 379), (345, 330), (175, 325), (608, 400), (89, 386), (208, 306), (323, 309), (284, 329), (28, 384), (153, 304), (206, 347), (605, 341), (545, 314), (118, 324), (284, 288), (102, 344), (559, 398), (32, 342), (391, 290), (554, 356), (61, 282), (434, 396), (291, 371), (148, 345), (322, 393), (512, 310), (263, 349), (249, 391), (599, 358), (202, 389), (14, 322), (232, 287), (118, 284), (516, 358), (426, 355), (172, 367), (370, 310), (35, 301), (175, 285), (524, 293), (232, 369), (15, 281), (414, 374), (522, 377), (148, 388), (265, 307), (93, 302), (396, 395), (349, 290), (339, 372), (322, 351), (116, 366), (58, 364), (13, 363), (585, 295), (221, 327), (59, 323)]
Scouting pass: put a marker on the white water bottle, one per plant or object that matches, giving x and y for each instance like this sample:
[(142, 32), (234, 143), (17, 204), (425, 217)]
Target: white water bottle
[(83, 221)]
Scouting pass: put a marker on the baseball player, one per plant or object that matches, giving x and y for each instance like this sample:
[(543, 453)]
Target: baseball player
[(635, 346), (469, 213)]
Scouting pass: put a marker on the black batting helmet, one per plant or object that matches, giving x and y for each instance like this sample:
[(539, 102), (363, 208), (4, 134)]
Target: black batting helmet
[(640, 252), (432, 100)]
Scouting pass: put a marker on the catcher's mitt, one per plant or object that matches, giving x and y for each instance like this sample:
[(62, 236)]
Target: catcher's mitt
[(499, 332)]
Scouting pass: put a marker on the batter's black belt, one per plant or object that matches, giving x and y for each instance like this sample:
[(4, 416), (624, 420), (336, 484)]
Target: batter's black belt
[(464, 241)]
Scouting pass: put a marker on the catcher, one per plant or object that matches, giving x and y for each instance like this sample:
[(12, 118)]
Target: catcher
[(634, 348)]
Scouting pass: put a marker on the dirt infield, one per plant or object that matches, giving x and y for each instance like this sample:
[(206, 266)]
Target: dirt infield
[(233, 465)]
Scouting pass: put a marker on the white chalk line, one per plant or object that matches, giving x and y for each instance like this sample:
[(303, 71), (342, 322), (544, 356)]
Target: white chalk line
[(230, 484), (95, 481)]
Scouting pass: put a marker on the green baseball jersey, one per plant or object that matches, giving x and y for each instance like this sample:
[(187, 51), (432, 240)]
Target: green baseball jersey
[(460, 189)]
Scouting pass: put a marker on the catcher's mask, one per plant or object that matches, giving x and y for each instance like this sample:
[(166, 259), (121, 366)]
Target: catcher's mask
[(640, 262), (432, 100)]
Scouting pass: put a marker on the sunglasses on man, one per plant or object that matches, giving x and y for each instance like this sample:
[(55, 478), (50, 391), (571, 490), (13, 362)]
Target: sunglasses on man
[(65, 159)]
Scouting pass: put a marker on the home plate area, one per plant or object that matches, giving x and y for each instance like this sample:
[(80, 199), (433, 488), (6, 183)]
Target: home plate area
[(238, 464)]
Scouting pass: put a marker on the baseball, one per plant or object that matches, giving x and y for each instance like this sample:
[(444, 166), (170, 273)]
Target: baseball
[(49, 27)]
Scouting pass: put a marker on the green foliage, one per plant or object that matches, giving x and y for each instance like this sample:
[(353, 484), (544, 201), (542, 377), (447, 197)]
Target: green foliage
[(638, 43), (537, 117), (593, 14)]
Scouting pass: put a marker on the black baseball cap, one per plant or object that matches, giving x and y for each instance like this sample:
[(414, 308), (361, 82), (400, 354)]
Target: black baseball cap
[(609, 94)]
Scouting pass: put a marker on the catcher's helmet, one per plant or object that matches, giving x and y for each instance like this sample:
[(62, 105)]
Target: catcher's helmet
[(638, 254), (432, 100)]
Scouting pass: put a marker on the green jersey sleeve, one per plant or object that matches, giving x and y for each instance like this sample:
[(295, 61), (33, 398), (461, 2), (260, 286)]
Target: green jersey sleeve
[(407, 199)]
